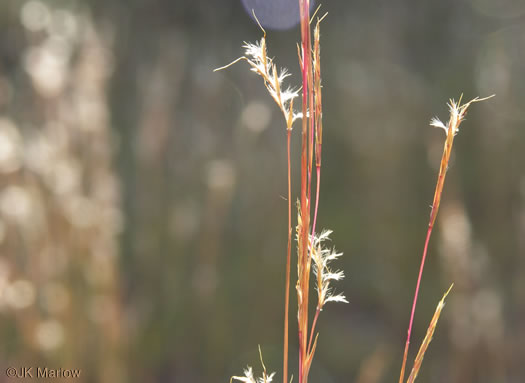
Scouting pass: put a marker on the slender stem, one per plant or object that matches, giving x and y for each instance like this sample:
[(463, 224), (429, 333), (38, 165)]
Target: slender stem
[(318, 169), (405, 355), (318, 310), (300, 361), (288, 255), (447, 149), (457, 114), (313, 328), (311, 119), (303, 264)]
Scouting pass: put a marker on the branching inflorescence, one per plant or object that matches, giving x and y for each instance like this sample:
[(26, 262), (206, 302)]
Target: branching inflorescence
[(310, 246), (312, 254)]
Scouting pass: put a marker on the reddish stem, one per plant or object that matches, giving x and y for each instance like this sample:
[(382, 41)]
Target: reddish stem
[(318, 169), (313, 328), (288, 253), (303, 257), (300, 359), (405, 355)]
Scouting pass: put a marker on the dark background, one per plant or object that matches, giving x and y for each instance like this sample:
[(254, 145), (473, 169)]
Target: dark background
[(142, 209)]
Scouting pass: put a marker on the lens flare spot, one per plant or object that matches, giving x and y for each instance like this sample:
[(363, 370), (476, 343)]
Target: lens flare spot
[(275, 14)]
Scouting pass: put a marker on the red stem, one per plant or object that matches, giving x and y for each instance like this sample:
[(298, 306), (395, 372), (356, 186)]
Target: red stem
[(405, 355), (287, 293), (304, 6), (318, 168), (303, 310)]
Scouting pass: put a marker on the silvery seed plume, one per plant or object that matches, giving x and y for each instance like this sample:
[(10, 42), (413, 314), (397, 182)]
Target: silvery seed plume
[(257, 57), (321, 257), (457, 114), (248, 377)]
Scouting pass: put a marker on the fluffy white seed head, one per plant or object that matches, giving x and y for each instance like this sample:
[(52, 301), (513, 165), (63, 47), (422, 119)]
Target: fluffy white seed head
[(321, 257), (436, 122)]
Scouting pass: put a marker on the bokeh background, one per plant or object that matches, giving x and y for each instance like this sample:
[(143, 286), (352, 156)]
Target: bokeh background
[(142, 209)]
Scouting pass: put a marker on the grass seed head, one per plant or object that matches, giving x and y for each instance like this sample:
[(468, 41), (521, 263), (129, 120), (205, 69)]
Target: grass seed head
[(248, 374), (321, 257), (256, 55)]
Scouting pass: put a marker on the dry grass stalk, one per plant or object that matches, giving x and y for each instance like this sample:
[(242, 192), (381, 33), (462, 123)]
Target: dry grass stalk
[(318, 113), (428, 338), (303, 262), (311, 141), (457, 115), (309, 245), (318, 146)]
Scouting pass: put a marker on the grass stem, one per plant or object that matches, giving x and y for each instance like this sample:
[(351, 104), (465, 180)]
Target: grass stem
[(288, 256), (405, 354), (457, 115)]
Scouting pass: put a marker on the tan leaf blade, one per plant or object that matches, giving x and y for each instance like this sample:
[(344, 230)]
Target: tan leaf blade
[(428, 338)]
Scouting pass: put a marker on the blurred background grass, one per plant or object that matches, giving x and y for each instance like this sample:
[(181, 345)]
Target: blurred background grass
[(142, 218)]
